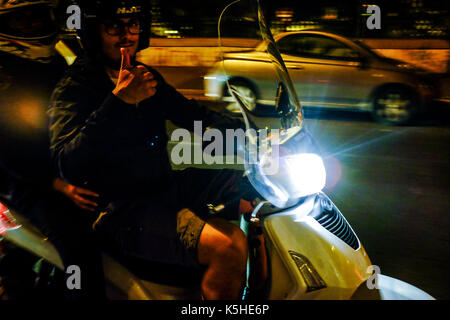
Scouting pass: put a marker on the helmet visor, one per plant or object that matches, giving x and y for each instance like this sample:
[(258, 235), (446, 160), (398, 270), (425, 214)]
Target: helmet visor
[(32, 22)]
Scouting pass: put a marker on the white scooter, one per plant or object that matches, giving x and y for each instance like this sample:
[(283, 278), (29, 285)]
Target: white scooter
[(301, 246)]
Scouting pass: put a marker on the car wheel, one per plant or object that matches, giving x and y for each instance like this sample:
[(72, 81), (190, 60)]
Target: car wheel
[(394, 105), (248, 95)]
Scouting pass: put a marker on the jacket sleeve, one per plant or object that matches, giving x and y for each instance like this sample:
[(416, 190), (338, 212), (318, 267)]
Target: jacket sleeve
[(183, 112), (78, 136)]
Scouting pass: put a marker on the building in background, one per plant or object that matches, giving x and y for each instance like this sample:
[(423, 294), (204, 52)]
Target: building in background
[(416, 19)]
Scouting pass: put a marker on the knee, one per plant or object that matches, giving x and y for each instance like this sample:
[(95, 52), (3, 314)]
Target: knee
[(232, 248)]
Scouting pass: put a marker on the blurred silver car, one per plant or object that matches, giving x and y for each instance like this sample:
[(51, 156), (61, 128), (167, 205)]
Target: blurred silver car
[(328, 71)]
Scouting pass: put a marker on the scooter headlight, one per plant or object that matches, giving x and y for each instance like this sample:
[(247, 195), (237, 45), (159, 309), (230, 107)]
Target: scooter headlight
[(296, 176), (307, 174), (289, 171)]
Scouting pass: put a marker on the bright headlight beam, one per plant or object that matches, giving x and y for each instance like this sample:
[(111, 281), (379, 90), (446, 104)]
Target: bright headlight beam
[(307, 174), (297, 176)]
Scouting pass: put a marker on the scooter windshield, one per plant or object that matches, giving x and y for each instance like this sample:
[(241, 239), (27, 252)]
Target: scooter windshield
[(282, 162)]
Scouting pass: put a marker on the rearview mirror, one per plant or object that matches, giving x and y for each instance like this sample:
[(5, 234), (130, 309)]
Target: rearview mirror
[(284, 107), (282, 104)]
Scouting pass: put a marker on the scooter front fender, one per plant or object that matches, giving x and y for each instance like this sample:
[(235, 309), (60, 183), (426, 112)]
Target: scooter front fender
[(387, 288)]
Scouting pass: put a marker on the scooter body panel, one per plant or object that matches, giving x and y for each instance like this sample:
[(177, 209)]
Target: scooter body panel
[(319, 264), (29, 238)]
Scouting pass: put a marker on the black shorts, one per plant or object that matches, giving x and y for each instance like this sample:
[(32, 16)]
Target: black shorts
[(166, 227)]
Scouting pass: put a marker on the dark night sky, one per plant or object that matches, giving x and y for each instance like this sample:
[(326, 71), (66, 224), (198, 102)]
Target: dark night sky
[(399, 17)]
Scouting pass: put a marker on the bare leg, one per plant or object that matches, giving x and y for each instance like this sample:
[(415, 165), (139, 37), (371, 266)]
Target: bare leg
[(223, 250)]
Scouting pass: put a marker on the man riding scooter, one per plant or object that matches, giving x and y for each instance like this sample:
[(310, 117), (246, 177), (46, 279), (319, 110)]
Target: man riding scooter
[(29, 71), (108, 134)]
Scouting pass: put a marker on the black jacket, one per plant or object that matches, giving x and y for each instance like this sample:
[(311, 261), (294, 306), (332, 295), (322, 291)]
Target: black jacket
[(114, 148), (25, 89)]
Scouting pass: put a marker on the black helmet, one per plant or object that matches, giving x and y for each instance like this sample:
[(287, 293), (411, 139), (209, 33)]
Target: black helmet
[(94, 10)]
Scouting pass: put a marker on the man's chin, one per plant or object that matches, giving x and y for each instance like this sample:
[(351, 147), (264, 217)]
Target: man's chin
[(112, 63), (131, 50), (114, 60)]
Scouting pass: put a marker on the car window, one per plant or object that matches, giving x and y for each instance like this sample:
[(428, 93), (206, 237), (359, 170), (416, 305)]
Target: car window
[(311, 46)]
